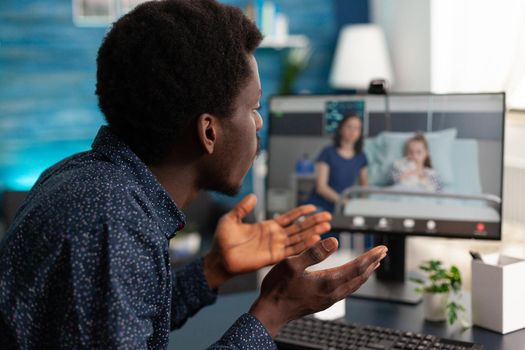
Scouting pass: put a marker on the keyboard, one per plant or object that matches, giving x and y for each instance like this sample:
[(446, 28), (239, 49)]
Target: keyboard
[(309, 333)]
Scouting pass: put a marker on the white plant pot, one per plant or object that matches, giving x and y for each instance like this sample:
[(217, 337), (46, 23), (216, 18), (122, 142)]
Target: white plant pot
[(435, 305)]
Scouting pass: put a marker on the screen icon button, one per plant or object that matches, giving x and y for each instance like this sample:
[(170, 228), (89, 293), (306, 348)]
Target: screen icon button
[(480, 227), (358, 221), (409, 223), (382, 223)]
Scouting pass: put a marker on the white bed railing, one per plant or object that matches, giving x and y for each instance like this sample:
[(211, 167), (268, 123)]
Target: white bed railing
[(491, 199)]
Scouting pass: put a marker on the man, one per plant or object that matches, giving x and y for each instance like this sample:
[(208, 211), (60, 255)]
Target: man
[(85, 263)]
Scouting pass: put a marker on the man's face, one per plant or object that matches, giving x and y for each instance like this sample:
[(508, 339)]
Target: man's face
[(239, 142)]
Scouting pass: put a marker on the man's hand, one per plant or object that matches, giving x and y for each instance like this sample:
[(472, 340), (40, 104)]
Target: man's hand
[(239, 247), (289, 291)]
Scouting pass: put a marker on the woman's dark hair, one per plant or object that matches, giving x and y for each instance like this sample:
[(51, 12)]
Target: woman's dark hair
[(358, 145), (419, 137), (167, 62)]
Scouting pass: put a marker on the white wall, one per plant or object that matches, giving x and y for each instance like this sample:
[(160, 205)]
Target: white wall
[(407, 29)]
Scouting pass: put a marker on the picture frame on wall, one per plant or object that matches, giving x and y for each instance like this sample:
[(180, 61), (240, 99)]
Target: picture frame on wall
[(93, 13), (127, 5), (101, 13)]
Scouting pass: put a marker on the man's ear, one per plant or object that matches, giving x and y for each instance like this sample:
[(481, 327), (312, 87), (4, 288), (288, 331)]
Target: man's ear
[(207, 127)]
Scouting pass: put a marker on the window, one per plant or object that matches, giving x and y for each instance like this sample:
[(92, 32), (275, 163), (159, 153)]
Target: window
[(479, 46)]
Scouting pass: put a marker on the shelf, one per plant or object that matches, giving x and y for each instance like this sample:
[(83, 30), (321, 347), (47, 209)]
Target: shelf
[(291, 41)]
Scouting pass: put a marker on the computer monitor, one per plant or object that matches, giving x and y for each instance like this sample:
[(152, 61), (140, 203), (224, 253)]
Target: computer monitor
[(454, 188)]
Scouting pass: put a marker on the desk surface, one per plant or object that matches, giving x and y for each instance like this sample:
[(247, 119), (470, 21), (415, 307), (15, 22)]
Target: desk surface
[(210, 323)]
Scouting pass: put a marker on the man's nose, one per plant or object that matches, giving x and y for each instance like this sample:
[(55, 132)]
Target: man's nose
[(258, 122)]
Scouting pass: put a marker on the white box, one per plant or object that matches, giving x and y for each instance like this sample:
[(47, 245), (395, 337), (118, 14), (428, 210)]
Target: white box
[(340, 257), (334, 312), (498, 293)]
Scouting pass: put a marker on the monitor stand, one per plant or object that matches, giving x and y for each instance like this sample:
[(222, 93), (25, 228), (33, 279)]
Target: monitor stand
[(388, 283)]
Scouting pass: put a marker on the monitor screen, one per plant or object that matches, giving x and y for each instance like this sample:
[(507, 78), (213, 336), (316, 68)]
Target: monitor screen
[(408, 164)]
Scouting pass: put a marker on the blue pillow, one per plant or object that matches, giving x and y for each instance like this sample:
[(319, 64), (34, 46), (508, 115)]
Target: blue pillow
[(374, 150), (389, 148)]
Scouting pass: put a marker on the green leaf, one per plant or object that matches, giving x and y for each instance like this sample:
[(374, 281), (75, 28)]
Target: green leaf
[(442, 288), (417, 280), (435, 264), (452, 313), (453, 309), (426, 268)]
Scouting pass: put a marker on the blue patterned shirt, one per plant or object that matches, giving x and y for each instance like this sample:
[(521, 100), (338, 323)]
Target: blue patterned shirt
[(85, 263)]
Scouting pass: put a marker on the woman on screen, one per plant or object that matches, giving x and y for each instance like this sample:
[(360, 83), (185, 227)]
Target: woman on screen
[(340, 165), (414, 170)]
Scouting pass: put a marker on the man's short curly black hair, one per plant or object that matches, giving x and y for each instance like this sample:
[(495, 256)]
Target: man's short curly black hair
[(167, 62)]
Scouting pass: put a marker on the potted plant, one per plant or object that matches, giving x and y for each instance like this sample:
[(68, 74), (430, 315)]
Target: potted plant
[(440, 284), (296, 61)]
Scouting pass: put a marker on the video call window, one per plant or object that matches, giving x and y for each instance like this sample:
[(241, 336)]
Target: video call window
[(433, 162)]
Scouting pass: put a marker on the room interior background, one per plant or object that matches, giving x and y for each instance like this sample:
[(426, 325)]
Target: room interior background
[(48, 109)]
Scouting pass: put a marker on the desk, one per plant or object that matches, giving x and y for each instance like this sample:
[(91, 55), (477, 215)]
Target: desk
[(210, 323)]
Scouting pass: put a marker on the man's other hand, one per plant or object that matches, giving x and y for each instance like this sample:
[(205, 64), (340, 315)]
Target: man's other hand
[(289, 291), (240, 247)]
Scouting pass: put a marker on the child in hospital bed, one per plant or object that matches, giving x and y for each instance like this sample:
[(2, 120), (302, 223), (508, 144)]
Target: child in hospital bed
[(414, 171)]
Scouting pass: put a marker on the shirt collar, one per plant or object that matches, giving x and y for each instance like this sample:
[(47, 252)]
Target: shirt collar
[(171, 218)]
